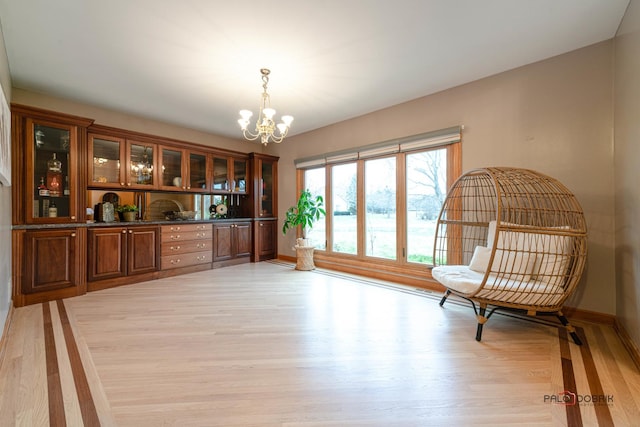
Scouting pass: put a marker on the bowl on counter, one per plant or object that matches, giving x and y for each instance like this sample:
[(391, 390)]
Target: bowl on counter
[(180, 215)]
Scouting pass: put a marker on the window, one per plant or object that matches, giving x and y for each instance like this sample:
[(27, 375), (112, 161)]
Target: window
[(315, 182), (380, 202), (383, 200), (344, 209), (426, 189)]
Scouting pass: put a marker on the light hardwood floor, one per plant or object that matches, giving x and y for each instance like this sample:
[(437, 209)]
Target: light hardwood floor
[(266, 345)]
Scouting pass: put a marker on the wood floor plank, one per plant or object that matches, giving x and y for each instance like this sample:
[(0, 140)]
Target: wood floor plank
[(56, 401), (265, 345), (87, 406), (72, 411)]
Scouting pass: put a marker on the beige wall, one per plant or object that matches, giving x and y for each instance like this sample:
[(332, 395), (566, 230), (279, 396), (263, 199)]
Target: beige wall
[(5, 208), (555, 116), (627, 170)]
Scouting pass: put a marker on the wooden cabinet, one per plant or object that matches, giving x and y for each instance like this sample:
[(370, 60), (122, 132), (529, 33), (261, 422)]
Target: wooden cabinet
[(265, 184), (265, 206), (47, 265), (67, 161), (184, 170), (265, 240), (185, 245), (232, 242), (122, 251), (118, 163), (47, 166)]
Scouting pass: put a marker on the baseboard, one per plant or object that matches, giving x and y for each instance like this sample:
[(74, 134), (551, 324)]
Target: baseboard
[(628, 343), (578, 314), (287, 258), (5, 333)]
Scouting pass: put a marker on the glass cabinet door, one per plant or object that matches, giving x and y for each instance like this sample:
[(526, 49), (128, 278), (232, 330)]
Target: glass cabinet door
[(197, 172), (52, 173), (267, 188), (220, 174), (106, 161), (171, 173), (141, 160), (240, 175)]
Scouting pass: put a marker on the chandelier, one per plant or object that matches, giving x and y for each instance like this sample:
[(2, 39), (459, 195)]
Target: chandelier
[(265, 126)]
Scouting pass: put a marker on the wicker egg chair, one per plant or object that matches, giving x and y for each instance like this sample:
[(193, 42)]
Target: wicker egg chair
[(510, 238)]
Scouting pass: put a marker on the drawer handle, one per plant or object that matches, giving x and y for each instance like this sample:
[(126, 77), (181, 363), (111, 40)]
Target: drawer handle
[(175, 261), (175, 248), (201, 258), (201, 245), (176, 237), (175, 228)]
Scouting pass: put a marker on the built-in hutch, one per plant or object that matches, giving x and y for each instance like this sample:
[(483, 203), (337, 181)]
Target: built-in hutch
[(68, 175)]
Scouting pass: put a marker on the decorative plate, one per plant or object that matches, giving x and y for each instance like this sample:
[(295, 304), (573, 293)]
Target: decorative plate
[(221, 209)]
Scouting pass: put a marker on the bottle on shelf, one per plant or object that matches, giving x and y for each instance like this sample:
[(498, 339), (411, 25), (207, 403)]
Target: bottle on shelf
[(42, 189), (66, 190), (54, 176), (53, 209)]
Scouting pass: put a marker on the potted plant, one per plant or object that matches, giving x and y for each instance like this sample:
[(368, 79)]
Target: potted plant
[(308, 210), (129, 212)]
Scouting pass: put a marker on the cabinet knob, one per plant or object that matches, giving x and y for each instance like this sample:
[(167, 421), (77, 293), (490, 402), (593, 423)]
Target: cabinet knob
[(130, 231), (73, 234), (128, 184), (261, 225), (124, 231), (73, 217), (189, 187), (122, 184)]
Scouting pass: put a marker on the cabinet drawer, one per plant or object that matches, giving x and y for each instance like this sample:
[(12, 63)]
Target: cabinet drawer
[(182, 236), (179, 247), (183, 228), (185, 260)]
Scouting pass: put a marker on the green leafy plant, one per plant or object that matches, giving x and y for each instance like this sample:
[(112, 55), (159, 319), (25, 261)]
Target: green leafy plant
[(127, 208), (308, 210)]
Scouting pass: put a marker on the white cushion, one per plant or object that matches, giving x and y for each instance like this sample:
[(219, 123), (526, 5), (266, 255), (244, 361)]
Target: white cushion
[(480, 259), (491, 233), (552, 252), (461, 279), (513, 265)]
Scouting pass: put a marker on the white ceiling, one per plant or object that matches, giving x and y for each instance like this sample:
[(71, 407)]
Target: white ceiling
[(195, 63)]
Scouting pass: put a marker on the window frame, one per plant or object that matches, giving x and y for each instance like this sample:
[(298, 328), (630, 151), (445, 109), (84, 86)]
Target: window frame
[(412, 272)]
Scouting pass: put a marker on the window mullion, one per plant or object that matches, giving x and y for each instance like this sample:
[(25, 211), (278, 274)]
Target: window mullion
[(360, 209)]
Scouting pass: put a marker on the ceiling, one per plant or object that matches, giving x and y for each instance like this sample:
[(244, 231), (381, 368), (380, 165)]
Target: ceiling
[(196, 63)]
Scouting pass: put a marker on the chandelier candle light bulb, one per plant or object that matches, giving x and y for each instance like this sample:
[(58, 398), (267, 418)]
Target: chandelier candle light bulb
[(265, 125)]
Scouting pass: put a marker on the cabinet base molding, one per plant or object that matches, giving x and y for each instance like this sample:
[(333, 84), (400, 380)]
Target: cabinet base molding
[(184, 270), (234, 261), (121, 281)]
